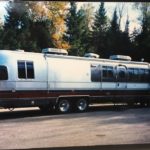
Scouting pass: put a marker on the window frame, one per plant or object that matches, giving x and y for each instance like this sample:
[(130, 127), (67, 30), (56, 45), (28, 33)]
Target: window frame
[(140, 77), (29, 70), (107, 78), (26, 70), (95, 72)]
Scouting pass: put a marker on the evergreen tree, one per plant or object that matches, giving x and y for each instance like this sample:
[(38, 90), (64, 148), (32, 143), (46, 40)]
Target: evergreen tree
[(41, 34), (141, 41), (127, 25), (114, 22), (133, 35), (127, 45), (72, 34), (119, 41), (99, 33), (77, 34), (16, 27), (21, 32), (84, 32)]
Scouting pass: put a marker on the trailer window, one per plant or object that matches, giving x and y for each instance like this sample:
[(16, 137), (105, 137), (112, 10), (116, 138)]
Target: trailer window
[(121, 75), (142, 75), (95, 73), (136, 75), (130, 74), (146, 75), (21, 70), (3, 73), (108, 73), (25, 70), (30, 70), (149, 76)]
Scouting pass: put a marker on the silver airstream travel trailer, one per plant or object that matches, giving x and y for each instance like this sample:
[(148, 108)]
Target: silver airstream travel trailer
[(52, 79)]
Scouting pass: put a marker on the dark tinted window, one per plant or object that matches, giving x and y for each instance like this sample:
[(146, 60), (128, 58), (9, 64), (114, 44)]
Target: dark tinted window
[(149, 76), (104, 71), (107, 73), (130, 74), (146, 75), (121, 75), (25, 70), (133, 74), (30, 70), (95, 73), (3, 73), (110, 72), (136, 75), (141, 75), (21, 70)]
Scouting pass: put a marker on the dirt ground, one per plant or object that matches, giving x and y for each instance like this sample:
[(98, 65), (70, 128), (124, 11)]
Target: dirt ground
[(31, 129)]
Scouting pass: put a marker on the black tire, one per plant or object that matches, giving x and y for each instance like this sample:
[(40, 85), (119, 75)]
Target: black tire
[(82, 105), (63, 106)]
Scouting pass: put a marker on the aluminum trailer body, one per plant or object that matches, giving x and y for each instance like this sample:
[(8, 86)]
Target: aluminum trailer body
[(50, 80)]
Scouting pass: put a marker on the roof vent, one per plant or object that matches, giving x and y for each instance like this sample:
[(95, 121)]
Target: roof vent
[(120, 57), (91, 55), (54, 51), (20, 50)]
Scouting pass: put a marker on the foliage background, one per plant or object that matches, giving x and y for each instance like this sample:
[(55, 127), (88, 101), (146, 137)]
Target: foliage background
[(33, 26)]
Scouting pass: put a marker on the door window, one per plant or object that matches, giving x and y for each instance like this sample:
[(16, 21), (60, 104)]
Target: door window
[(121, 75)]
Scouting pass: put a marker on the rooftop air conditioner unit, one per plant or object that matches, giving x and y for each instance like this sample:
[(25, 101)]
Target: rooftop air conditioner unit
[(91, 55), (54, 51), (120, 57)]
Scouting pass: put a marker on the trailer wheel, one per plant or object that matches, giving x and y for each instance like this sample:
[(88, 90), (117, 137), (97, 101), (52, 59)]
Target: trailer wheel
[(63, 106), (82, 105)]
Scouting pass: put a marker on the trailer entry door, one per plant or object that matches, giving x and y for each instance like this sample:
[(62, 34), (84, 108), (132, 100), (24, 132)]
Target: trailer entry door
[(121, 77)]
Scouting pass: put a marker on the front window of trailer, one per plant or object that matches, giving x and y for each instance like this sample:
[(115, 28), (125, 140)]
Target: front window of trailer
[(3, 73), (25, 70), (21, 70)]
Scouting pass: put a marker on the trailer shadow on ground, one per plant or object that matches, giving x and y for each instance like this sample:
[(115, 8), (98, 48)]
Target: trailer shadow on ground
[(23, 113)]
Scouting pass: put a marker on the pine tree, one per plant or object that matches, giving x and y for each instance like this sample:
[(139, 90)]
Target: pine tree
[(141, 42), (16, 27), (83, 31), (127, 25), (119, 41), (127, 47), (21, 31), (72, 34), (114, 23), (41, 34), (99, 33), (115, 35)]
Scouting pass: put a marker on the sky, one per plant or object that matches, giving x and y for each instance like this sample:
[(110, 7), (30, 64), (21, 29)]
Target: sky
[(128, 9), (132, 13), (2, 10)]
